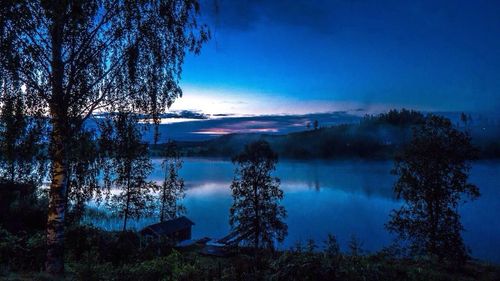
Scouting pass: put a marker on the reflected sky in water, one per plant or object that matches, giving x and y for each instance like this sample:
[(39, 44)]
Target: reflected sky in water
[(344, 198)]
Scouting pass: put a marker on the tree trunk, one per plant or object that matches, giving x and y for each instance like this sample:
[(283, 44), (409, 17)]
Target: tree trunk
[(12, 172), (59, 118), (127, 203), (164, 193), (162, 210), (257, 216), (57, 204), (431, 209)]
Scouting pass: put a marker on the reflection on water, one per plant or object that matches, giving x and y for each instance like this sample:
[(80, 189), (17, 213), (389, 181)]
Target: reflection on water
[(340, 197)]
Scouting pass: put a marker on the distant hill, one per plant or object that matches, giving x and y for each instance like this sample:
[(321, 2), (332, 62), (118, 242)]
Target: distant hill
[(373, 137), (206, 129)]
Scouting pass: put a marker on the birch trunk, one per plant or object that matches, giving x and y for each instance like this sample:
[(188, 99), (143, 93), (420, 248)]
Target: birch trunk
[(59, 118), (57, 207)]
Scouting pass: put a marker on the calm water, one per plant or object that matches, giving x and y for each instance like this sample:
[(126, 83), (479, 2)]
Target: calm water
[(344, 198)]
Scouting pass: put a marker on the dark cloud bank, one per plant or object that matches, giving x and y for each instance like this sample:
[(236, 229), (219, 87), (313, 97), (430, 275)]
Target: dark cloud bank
[(270, 124)]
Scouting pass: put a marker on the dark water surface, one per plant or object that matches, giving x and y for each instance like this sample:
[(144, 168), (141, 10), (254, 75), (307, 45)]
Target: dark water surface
[(344, 198)]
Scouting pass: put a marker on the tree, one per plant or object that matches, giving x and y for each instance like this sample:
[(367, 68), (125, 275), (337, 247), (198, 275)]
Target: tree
[(76, 57), (255, 214), (21, 145), (127, 168), (466, 121), (172, 189), (433, 180), (83, 170)]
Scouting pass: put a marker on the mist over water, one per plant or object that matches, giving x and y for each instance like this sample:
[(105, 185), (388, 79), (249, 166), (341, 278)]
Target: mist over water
[(345, 198)]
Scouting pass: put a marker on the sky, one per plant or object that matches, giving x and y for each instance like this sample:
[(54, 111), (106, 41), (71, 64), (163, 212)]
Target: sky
[(289, 57)]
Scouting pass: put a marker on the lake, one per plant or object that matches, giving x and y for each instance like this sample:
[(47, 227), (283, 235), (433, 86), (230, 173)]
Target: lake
[(344, 198)]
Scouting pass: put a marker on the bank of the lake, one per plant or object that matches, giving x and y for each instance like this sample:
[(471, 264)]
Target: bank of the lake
[(345, 198)]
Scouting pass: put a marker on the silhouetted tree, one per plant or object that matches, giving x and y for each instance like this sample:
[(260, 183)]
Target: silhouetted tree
[(433, 179), (466, 120), (403, 117), (75, 57), (463, 118), (21, 143), (127, 168), (255, 214), (172, 189), (83, 171)]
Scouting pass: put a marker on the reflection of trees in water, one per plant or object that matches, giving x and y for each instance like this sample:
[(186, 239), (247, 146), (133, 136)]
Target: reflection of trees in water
[(352, 176), (368, 179), (316, 184), (313, 177)]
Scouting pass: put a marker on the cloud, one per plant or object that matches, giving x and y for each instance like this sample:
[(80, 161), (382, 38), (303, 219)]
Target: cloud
[(269, 124), (185, 114), (370, 15)]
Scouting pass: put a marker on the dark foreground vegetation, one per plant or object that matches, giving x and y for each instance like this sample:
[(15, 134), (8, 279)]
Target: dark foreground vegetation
[(93, 254)]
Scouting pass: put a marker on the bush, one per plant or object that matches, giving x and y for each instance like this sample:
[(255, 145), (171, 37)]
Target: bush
[(21, 208), (22, 251), (171, 267)]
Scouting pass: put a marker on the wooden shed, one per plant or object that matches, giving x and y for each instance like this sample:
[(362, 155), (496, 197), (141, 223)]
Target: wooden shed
[(177, 230)]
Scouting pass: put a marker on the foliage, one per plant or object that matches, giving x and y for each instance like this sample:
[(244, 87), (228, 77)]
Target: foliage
[(87, 55), (172, 189), (23, 212), (83, 171), (21, 142), (332, 248), (433, 180), (22, 252), (256, 215), (127, 167), (22, 207), (76, 57), (355, 246), (94, 254), (399, 118)]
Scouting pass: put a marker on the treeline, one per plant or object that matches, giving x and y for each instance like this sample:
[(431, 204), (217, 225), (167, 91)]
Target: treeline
[(379, 136)]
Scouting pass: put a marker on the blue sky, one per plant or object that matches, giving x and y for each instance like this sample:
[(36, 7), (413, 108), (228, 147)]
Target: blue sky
[(305, 56)]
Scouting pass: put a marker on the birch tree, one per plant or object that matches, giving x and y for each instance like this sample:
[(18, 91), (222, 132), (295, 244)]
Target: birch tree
[(78, 57), (433, 180), (172, 188), (127, 168), (256, 215)]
